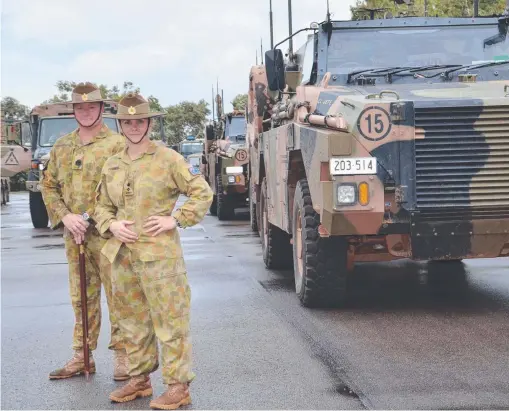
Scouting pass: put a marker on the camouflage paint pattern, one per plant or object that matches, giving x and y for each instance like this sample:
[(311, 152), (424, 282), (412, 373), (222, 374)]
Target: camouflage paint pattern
[(150, 274), (73, 173), (155, 300), (68, 186), (150, 185), (98, 271), (418, 187)]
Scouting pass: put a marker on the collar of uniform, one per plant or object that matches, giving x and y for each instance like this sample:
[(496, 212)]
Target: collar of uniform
[(151, 150)]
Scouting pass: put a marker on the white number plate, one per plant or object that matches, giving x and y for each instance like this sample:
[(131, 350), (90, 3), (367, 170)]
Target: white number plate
[(352, 166)]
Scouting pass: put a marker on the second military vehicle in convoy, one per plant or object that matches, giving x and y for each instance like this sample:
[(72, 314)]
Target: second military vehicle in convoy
[(379, 140), (225, 163)]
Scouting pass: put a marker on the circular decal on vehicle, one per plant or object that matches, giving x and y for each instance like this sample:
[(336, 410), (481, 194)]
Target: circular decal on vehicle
[(374, 123), (240, 155)]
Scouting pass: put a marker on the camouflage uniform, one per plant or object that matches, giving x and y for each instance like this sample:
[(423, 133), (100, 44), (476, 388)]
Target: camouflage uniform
[(68, 186), (150, 274)]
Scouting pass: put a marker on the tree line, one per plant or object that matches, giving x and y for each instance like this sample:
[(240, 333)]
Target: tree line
[(180, 120)]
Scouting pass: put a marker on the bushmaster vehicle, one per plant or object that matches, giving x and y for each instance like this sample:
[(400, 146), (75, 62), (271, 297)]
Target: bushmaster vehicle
[(226, 160), (191, 145), (15, 152), (379, 140), (49, 123)]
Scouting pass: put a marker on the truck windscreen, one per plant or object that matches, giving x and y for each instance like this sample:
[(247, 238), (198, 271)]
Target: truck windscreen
[(51, 129)]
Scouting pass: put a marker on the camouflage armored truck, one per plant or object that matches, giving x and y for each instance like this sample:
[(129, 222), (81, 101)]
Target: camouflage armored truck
[(190, 146), (380, 140), (225, 167), (15, 152), (49, 123)]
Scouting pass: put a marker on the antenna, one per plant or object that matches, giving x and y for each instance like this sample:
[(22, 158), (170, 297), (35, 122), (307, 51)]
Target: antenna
[(271, 26), (261, 49), (222, 99), (290, 47), (213, 106), (328, 12), (256, 57)]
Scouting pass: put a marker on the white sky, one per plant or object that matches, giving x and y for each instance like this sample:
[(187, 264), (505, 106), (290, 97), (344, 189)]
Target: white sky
[(171, 49)]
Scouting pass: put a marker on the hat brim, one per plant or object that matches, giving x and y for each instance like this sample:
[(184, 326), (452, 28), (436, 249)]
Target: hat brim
[(90, 101), (138, 116)]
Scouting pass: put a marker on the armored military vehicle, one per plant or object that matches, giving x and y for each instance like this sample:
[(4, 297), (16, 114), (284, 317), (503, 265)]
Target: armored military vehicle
[(15, 152), (49, 122), (226, 160), (191, 145), (379, 140)]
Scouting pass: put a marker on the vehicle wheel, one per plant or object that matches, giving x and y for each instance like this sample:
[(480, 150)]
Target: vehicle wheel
[(276, 247), (224, 209), (252, 209), (3, 193), (213, 206), (320, 264), (38, 210)]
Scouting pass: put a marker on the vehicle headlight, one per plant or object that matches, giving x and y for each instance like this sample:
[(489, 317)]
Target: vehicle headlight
[(346, 194), (41, 166), (231, 179), (234, 170)]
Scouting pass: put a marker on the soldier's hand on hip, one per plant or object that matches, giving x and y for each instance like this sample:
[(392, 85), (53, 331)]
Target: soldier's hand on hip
[(122, 233), (75, 224), (159, 224)]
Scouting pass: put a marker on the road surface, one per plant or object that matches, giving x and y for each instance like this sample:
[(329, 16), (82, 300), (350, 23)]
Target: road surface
[(399, 344)]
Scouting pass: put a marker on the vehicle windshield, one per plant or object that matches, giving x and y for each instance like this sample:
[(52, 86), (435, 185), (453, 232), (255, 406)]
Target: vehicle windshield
[(357, 49), (237, 127), (191, 148), (26, 135), (194, 161), (52, 129)]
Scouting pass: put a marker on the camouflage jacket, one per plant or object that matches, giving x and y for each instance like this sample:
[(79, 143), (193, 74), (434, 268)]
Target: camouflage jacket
[(73, 172), (149, 186)]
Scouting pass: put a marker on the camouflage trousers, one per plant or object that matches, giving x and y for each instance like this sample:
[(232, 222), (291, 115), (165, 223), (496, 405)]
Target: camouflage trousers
[(154, 301), (98, 272)]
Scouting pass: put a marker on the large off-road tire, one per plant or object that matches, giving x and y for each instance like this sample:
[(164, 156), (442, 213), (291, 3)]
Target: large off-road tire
[(38, 211), (276, 247), (4, 193), (320, 264), (213, 206), (252, 209), (224, 209)]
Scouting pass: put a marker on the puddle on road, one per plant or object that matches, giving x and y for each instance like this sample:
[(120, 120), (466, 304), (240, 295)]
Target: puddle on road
[(279, 284), (242, 235)]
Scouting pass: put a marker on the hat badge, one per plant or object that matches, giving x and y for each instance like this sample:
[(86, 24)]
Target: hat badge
[(84, 96), (131, 110)]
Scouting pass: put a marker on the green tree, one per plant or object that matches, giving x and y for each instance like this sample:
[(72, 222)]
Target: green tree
[(12, 108), (185, 118), (439, 8), (239, 102)]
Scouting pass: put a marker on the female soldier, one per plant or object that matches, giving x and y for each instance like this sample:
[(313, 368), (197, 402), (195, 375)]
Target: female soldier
[(136, 196)]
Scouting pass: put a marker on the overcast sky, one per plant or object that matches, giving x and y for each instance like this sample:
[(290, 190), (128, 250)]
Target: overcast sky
[(173, 49)]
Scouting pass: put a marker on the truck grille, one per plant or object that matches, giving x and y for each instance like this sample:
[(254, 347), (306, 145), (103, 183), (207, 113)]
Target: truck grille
[(462, 162)]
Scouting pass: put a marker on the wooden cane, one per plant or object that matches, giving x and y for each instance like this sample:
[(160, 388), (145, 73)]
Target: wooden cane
[(84, 309)]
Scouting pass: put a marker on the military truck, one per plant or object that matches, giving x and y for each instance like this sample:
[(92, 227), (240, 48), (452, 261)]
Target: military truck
[(49, 122), (226, 161), (191, 145), (379, 140), (15, 152)]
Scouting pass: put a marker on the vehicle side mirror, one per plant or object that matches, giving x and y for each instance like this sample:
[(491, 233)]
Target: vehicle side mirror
[(209, 132), (275, 69)]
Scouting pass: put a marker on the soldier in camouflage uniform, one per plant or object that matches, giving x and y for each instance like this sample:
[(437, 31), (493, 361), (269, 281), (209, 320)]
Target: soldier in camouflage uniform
[(136, 197), (68, 188)]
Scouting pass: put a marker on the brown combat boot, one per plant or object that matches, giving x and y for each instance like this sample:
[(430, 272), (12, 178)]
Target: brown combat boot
[(138, 386), (176, 396), (75, 366), (120, 368)]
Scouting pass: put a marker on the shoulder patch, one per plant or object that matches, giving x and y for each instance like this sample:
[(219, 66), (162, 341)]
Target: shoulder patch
[(195, 171)]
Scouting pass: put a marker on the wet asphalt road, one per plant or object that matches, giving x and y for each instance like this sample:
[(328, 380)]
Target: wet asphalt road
[(399, 344)]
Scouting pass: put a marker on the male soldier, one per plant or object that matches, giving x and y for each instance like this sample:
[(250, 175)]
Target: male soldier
[(137, 194), (68, 189)]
